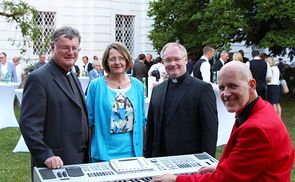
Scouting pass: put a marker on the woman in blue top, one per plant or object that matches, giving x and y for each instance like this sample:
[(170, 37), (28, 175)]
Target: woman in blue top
[(116, 108)]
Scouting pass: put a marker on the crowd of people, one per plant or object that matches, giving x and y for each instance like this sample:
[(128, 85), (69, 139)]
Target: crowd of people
[(62, 126)]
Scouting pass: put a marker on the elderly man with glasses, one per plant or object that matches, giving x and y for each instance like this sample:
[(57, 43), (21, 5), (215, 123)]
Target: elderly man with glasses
[(182, 114), (53, 116)]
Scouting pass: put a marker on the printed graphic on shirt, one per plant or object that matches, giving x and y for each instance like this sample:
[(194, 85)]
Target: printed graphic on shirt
[(122, 115)]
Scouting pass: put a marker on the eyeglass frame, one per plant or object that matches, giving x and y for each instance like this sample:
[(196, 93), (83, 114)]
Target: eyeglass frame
[(114, 59), (170, 60), (69, 49)]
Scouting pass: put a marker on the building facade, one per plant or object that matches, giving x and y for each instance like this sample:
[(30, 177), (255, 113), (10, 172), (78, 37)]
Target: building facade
[(100, 22)]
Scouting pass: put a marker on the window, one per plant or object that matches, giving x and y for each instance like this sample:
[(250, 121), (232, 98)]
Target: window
[(46, 24), (125, 31)]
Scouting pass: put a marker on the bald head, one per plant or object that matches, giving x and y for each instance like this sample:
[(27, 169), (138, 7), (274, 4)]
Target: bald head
[(237, 67), (236, 86)]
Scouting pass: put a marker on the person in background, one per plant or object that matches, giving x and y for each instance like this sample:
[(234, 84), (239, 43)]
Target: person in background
[(158, 65), (224, 58), (18, 68), (7, 69), (140, 70), (245, 59), (96, 71), (202, 68), (53, 118), (261, 73), (116, 108), (87, 67), (273, 86), (41, 62), (190, 63), (148, 61), (237, 57), (182, 114), (76, 70), (259, 148)]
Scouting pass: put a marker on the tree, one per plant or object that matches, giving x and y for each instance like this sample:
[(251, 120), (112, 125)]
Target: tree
[(23, 15), (195, 23)]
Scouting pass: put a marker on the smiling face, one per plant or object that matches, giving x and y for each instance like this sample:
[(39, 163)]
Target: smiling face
[(174, 61), (236, 86), (65, 52), (116, 62)]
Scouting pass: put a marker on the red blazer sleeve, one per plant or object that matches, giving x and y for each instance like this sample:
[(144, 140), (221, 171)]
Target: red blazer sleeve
[(237, 166)]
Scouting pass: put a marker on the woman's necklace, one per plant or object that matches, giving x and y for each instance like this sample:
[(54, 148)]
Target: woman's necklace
[(115, 83)]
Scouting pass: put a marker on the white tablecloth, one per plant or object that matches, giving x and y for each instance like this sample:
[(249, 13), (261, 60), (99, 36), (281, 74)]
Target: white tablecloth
[(19, 94), (21, 145), (226, 120), (7, 117), (84, 82)]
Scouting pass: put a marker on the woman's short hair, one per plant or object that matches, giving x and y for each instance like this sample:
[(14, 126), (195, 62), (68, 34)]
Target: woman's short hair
[(121, 48), (96, 63)]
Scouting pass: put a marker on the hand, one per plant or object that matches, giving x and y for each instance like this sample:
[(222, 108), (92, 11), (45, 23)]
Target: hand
[(54, 162), (207, 169), (165, 178)]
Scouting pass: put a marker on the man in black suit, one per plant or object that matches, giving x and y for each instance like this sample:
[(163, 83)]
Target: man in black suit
[(182, 115), (53, 116), (76, 70), (87, 66), (202, 68), (224, 57), (261, 72)]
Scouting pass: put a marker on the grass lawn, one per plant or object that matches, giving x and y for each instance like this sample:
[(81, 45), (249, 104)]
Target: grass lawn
[(15, 167)]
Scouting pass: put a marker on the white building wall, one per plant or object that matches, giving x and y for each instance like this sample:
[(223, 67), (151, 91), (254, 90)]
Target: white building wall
[(95, 19)]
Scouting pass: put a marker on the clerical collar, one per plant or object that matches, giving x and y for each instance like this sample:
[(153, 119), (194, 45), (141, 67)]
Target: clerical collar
[(177, 80), (243, 116), (69, 72)]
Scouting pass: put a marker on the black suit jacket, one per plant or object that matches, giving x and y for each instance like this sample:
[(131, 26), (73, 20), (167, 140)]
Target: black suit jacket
[(217, 65), (193, 126), (77, 69), (89, 67), (51, 117)]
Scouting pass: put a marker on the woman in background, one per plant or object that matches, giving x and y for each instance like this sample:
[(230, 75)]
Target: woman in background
[(116, 108), (237, 57), (96, 71), (273, 86)]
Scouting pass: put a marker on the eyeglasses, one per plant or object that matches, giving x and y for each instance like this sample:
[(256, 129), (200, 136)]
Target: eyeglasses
[(69, 49), (169, 60), (114, 59)]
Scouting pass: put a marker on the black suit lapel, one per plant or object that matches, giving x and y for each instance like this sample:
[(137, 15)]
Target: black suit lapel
[(60, 81), (81, 93), (184, 88)]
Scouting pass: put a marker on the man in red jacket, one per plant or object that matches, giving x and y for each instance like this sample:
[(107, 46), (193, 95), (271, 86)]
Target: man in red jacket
[(259, 148)]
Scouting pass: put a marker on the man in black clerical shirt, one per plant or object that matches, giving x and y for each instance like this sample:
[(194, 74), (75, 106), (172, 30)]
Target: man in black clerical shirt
[(182, 115)]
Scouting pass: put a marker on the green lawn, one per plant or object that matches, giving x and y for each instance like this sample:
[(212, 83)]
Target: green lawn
[(15, 167)]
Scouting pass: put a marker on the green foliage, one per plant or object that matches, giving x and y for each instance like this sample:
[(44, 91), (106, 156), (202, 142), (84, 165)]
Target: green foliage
[(23, 15), (260, 23)]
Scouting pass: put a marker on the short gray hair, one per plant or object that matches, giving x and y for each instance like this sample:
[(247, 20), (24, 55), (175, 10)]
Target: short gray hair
[(67, 31), (171, 44)]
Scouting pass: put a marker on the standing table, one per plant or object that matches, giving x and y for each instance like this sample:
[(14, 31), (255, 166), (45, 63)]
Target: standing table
[(21, 145), (7, 117)]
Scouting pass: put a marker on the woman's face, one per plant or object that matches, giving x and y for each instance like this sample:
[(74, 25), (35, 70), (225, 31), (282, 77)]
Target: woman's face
[(116, 62)]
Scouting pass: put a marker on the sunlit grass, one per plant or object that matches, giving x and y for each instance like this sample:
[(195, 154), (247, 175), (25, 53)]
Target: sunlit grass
[(15, 167)]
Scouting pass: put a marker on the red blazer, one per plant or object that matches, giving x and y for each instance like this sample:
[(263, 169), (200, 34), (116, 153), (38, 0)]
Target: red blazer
[(259, 150)]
